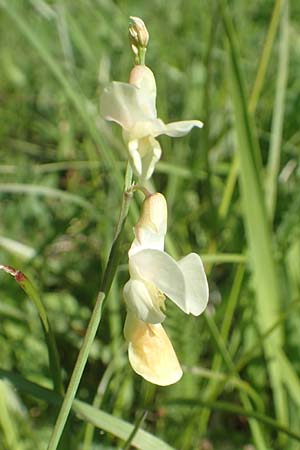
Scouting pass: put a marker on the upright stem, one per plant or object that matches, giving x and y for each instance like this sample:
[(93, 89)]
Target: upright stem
[(94, 322), (77, 373)]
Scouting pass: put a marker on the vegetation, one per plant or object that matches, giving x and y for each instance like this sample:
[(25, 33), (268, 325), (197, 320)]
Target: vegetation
[(233, 197)]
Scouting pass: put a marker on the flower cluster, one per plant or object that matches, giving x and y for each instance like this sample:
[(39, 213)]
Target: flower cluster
[(154, 275)]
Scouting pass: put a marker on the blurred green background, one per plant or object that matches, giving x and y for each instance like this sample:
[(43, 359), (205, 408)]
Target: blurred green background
[(233, 196)]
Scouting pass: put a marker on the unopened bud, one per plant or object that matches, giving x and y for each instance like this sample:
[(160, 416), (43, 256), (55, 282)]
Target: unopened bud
[(139, 37), (138, 32)]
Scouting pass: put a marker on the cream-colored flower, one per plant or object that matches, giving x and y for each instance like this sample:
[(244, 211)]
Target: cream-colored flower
[(155, 275), (133, 106)]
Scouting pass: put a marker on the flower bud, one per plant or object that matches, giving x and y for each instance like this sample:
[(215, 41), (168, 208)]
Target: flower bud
[(138, 34)]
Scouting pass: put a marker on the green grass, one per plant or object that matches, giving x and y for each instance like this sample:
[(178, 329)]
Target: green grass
[(233, 197)]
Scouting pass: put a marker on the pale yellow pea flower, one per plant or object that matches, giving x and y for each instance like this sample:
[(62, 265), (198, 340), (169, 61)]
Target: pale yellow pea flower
[(133, 106)]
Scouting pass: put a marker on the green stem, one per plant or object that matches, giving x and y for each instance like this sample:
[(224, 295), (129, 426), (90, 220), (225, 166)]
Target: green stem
[(142, 55), (77, 373), (89, 429), (115, 253), (109, 273), (94, 322), (138, 424)]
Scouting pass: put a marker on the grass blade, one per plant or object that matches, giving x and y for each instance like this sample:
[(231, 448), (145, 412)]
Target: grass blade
[(17, 248), (265, 56), (256, 224), (33, 293), (34, 189), (229, 407), (8, 425), (100, 419), (252, 104), (257, 431), (278, 113)]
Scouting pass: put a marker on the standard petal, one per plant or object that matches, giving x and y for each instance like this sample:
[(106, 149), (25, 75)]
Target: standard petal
[(151, 228), (195, 283), (144, 301), (143, 78), (161, 270), (151, 353), (125, 104), (177, 129)]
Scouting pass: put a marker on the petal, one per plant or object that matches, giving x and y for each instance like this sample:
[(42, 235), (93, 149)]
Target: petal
[(144, 154), (135, 157), (144, 128), (143, 78), (195, 282), (151, 353), (177, 129), (151, 228), (126, 104), (143, 302), (152, 153), (119, 102), (161, 270)]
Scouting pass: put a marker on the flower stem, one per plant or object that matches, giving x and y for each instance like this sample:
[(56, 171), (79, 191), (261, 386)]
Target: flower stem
[(94, 322), (77, 373), (142, 55), (115, 253), (109, 273)]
